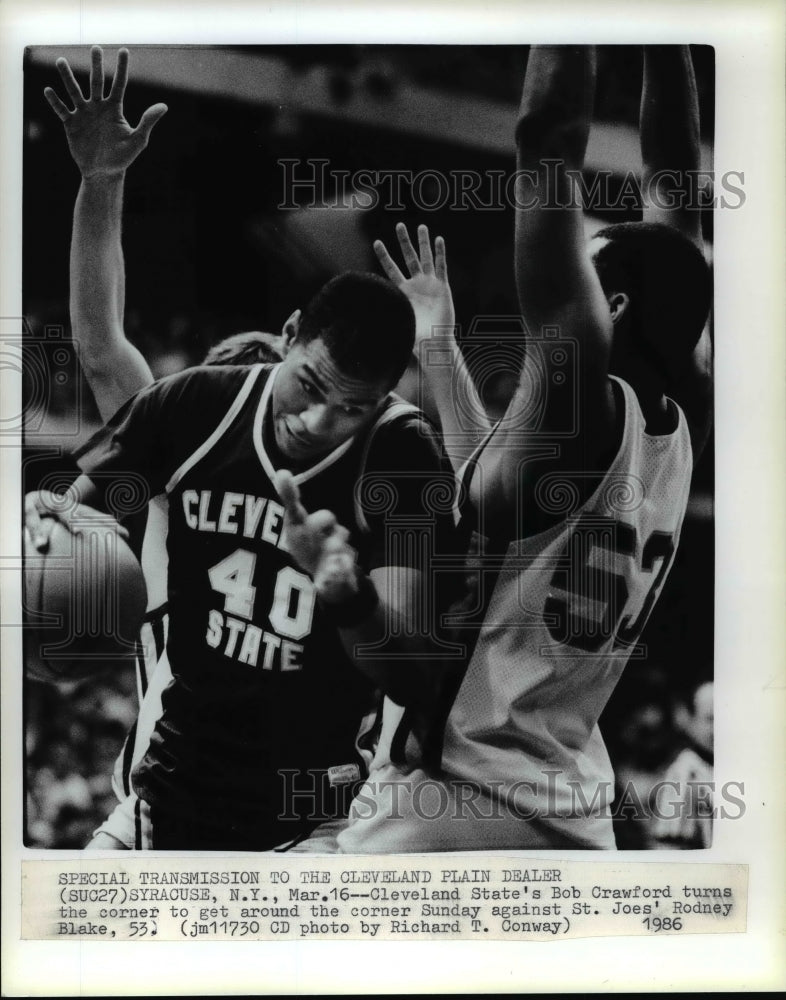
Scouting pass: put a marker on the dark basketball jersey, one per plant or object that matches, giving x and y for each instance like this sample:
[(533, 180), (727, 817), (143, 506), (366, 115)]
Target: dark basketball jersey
[(257, 733)]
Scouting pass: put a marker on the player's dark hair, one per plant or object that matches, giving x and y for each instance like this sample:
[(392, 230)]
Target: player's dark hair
[(367, 324), (668, 284), (250, 348)]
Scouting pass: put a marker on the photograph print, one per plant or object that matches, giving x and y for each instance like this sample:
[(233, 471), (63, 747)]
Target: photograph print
[(368, 456)]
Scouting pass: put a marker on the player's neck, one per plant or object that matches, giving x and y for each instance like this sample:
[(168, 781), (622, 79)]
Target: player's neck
[(648, 386), (655, 407)]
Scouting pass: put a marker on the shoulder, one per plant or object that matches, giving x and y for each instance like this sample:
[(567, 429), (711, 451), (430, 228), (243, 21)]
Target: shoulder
[(406, 462), (193, 400), (403, 437), (205, 382)]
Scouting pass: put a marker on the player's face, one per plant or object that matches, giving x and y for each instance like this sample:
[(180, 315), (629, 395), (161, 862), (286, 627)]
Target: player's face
[(316, 406)]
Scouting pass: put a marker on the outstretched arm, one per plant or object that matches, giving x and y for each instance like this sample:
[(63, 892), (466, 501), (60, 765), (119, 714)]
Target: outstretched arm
[(450, 385), (557, 285), (670, 151), (103, 146), (669, 135)]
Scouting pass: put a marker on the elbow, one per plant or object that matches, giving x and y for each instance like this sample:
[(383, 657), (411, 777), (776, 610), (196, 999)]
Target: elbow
[(95, 366), (96, 344)]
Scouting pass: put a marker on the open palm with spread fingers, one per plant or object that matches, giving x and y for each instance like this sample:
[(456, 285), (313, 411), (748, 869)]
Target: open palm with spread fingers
[(101, 141), (427, 286)]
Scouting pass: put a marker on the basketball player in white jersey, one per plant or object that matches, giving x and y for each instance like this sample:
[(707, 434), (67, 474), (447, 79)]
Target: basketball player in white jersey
[(575, 522)]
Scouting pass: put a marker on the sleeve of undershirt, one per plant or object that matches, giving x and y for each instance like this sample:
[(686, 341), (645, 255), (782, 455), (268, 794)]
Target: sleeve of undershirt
[(408, 495)]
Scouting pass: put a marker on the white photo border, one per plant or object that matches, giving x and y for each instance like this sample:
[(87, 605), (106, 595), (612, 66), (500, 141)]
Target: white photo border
[(749, 259)]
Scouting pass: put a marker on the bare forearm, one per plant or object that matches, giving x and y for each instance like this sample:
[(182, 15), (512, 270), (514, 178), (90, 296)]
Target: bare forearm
[(551, 136), (114, 368), (103, 145), (454, 394), (670, 141), (556, 105), (669, 125), (403, 666), (556, 282), (97, 267), (392, 637)]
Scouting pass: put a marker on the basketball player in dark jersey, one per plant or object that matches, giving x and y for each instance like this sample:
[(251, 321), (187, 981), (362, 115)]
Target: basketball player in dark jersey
[(115, 370), (257, 735)]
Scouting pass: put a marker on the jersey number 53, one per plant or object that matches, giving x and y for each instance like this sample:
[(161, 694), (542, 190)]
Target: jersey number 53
[(590, 600)]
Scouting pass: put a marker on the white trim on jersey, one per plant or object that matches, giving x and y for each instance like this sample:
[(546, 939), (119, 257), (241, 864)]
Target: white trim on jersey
[(229, 417), (259, 442), (153, 673), (154, 558), (131, 812)]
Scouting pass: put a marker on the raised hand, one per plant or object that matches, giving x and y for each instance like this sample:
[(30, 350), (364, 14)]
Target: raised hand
[(427, 286), (318, 543), (101, 141)]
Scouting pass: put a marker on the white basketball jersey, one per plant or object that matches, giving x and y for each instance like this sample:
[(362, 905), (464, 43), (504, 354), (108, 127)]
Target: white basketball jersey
[(524, 764)]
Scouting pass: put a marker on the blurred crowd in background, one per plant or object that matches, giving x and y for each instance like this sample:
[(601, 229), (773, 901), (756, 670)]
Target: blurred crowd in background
[(655, 736), (210, 252)]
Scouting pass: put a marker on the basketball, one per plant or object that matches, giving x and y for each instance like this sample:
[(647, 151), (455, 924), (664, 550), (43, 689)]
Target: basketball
[(84, 599)]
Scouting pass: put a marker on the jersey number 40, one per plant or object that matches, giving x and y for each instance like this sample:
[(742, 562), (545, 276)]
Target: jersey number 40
[(292, 611)]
